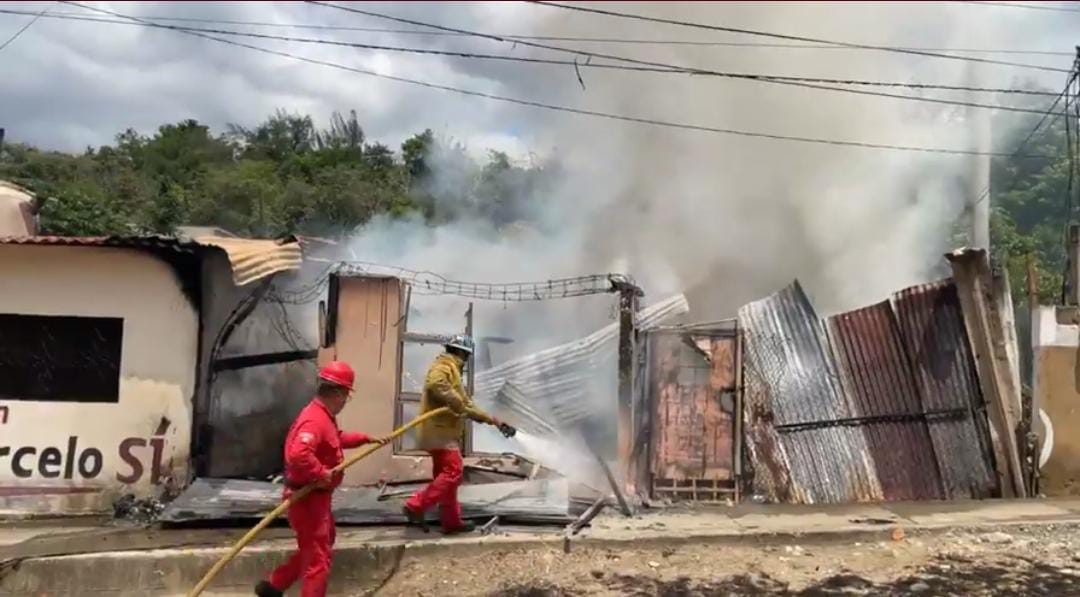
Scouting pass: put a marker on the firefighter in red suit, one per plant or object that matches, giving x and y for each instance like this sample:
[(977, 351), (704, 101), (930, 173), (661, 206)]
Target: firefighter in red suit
[(313, 447), (440, 436)]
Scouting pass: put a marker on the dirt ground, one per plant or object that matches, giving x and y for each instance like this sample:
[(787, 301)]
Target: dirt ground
[(1036, 561)]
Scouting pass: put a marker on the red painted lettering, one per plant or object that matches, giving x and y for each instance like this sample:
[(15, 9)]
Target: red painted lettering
[(159, 454), (131, 460), (3, 415)]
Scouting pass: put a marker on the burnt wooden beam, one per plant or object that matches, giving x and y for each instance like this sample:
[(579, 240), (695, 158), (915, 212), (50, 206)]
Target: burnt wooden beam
[(624, 506), (259, 360), (586, 517), (628, 306)]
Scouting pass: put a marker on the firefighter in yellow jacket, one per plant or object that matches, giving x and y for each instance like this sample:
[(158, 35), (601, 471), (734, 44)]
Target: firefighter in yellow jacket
[(441, 437)]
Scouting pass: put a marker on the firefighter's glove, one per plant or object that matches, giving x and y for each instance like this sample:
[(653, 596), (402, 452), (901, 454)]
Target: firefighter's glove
[(507, 430)]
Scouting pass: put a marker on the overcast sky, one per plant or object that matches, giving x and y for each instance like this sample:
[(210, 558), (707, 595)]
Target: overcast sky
[(69, 84)]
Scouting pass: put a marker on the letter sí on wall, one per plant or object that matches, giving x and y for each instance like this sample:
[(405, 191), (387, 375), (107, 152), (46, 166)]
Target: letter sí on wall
[(75, 461)]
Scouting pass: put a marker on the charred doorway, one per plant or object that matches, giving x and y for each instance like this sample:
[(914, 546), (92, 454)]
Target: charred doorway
[(692, 391)]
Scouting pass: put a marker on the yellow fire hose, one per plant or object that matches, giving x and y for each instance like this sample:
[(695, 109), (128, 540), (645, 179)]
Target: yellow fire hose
[(283, 506)]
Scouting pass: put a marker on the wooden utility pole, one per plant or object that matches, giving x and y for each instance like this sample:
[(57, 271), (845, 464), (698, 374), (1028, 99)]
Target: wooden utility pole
[(980, 301), (628, 306)]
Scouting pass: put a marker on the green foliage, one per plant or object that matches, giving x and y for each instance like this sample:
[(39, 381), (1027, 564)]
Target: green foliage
[(279, 177), (1029, 215)]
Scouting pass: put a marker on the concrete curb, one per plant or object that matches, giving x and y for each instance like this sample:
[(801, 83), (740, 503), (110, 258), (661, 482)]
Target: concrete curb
[(363, 566)]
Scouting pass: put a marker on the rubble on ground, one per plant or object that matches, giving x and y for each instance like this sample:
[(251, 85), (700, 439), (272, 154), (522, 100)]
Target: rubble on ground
[(139, 510)]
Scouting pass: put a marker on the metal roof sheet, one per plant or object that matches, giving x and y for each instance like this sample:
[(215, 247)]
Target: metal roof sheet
[(559, 378), (879, 382), (250, 259), (885, 405), (932, 325), (786, 349)]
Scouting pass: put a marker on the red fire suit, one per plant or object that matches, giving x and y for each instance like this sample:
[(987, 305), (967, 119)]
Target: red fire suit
[(313, 446)]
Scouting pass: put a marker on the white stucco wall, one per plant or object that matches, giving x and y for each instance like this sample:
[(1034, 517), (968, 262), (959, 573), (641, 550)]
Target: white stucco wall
[(160, 347)]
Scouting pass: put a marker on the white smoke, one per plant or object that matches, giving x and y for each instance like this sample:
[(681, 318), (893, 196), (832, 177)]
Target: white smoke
[(725, 219)]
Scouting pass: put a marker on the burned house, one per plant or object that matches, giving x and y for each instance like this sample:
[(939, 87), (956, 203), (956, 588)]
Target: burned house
[(105, 352), (158, 365)]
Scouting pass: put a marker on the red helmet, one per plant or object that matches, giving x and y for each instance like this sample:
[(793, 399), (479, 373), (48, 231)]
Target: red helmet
[(338, 373)]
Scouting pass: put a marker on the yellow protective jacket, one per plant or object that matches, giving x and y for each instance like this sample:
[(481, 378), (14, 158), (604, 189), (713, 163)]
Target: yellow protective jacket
[(442, 387)]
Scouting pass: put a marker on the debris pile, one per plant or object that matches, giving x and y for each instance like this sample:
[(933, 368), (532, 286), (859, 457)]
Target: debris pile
[(142, 511)]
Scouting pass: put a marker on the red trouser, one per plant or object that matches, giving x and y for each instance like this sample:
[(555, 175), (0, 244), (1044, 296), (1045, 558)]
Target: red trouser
[(446, 470), (313, 522)]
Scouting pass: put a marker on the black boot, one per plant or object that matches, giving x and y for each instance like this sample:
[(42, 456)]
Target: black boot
[(415, 518), (466, 527), (265, 589)]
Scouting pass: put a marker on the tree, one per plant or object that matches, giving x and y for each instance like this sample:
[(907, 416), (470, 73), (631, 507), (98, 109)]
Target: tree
[(1031, 209), (279, 177)]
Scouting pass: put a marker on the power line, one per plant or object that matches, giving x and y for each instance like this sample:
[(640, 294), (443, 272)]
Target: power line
[(584, 39), (985, 194), (810, 82), (673, 67), (929, 54), (571, 110), (23, 30), (1029, 6)]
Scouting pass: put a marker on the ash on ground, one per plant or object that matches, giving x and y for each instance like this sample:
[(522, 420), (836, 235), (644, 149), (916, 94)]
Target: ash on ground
[(137, 510)]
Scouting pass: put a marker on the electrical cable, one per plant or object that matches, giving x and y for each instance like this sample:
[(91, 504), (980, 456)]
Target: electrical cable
[(985, 194), (654, 65), (18, 33), (586, 39), (578, 111), (1029, 6), (894, 49), (781, 79)]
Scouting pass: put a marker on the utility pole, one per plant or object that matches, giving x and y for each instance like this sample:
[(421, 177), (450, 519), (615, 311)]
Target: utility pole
[(979, 173), (628, 306)]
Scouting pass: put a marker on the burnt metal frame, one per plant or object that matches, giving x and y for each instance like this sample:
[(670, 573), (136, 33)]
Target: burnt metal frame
[(629, 296)]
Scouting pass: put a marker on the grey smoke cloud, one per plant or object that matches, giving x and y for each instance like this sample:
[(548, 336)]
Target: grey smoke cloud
[(724, 219)]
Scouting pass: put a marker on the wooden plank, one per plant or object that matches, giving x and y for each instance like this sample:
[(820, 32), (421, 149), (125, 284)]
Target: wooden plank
[(984, 322)]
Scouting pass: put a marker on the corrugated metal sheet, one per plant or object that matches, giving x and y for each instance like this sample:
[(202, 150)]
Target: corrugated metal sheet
[(253, 259), (932, 325), (786, 349), (884, 406), (250, 260), (880, 383), (560, 378), (545, 501)]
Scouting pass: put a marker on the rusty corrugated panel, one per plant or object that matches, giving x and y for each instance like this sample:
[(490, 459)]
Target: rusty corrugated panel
[(932, 326), (249, 259), (689, 378), (770, 463), (786, 350), (880, 385)]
